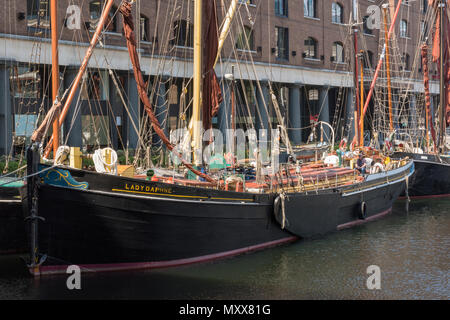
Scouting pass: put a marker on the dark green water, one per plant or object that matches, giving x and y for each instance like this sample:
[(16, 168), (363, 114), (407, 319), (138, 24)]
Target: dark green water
[(412, 251)]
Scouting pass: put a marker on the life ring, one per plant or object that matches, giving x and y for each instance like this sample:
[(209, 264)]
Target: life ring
[(362, 210), (352, 146), (343, 144)]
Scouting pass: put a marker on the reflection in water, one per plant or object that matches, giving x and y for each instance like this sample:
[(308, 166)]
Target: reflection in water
[(412, 251)]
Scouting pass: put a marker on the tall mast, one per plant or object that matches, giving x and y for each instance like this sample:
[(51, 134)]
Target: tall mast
[(388, 71), (355, 71), (38, 133), (443, 104), (55, 70), (361, 129), (380, 61), (197, 106)]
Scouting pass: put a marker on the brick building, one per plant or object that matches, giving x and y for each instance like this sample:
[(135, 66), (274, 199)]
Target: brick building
[(302, 49)]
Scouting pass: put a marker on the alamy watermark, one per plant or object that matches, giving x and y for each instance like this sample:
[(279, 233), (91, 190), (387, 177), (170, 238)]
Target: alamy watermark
[(262, 147), (374, 280), (74, 280)]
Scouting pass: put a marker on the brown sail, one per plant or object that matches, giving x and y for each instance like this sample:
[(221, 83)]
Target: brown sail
[(426, 85), (212, 95)]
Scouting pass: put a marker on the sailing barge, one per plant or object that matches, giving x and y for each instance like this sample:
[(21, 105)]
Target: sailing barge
[(432, 174), (105, 222)]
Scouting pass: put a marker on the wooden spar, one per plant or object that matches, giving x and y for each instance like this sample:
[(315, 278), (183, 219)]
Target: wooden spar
[(55, 71), (426, 86), (372, 86), (222, 37), (226, 27), (233, 111), (197, 100), (361, 132), (82, 69), (388, 69)]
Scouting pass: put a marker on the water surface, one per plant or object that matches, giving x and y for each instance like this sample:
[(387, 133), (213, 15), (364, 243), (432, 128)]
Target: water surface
[(412, 250)]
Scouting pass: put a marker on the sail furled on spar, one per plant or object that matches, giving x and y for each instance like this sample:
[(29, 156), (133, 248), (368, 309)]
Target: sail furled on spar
[(211, 95), (446, 46), (426, 80)]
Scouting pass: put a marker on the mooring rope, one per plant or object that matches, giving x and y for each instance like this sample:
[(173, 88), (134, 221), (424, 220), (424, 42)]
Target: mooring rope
[(25, 177)]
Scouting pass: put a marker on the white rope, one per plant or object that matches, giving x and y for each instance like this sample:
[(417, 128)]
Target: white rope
[(61, 154), (100, 162)]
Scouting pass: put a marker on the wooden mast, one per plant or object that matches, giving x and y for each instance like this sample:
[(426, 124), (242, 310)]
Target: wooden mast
[(226, 27), (37, 135), (197, 99), (357, 113), (377, 70), (388, 68), (55, 70), (442, 122), (361, 129)]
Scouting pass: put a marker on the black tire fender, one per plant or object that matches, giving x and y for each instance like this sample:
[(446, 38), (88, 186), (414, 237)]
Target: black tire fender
[(362, 210)]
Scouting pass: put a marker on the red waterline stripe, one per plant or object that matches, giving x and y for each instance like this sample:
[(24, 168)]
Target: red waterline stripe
[(48, 270), (433, 196), (360, 221)]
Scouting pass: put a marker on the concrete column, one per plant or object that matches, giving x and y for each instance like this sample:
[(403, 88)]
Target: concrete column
[(72, 131), (350, 107), (224, 113), (295, 120), (162, 107), (133, 108), (324, 107), (6, 118), (263, 105)]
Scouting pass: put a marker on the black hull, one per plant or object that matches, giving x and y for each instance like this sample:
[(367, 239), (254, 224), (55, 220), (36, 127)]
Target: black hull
[(121, 223), (317, 214), (12, 225), (108, 228), (431, 177)]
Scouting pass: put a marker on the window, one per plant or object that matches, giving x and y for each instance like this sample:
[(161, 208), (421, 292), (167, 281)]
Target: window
[(366, 29), (368, 59), (403, 29), (310, 48), (144, 29), (38, 13), (313, 95), (245, 39), (282, 36), (184, 33), (337, 52), (405, 59), (424, 6), (336, 13), (281, 8), (25, 82), (309, 8), (95, 12)]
